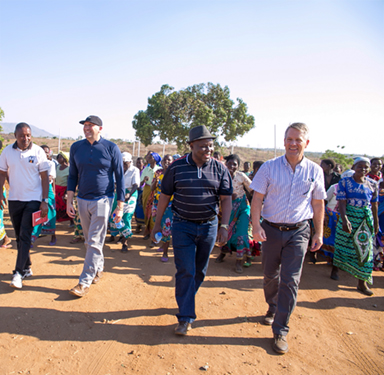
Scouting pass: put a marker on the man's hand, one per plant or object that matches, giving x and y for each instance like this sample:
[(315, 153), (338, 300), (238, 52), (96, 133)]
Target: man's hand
[(317, 242), (117, 214), (70, 209), (258, 233), (44, 209), (156, 228), (222, 236)]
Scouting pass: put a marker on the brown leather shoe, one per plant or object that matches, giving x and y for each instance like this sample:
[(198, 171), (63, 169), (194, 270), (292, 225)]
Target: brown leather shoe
[(99, 275), (79, 290)]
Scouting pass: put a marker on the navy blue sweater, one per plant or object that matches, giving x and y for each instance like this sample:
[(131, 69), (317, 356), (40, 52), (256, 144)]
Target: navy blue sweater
[(92, 167)]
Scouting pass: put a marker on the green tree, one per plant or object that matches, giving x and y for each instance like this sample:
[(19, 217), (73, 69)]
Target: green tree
[(171, 114), (345, 160)]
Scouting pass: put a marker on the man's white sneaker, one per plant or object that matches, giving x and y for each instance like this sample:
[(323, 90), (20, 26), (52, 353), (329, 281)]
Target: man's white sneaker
[(17, 281), (27, 273)]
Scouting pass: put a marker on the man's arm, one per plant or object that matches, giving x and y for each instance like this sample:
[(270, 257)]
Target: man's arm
[(3, 202), (257, 230), (70, 209), (318, 222), (45, 186), (161, 207), (226, 208), (73, 177), (118, 169)]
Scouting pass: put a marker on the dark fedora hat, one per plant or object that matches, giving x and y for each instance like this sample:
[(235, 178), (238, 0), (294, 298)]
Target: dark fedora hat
[(93, 119), (199, 132)]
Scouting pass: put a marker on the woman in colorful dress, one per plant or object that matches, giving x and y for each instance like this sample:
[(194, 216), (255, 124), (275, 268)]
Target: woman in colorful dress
[(166, 221), (48, 228), (62, 172), (358, 224), (139, 212), (153, 160), (131, 181), (239, 221)]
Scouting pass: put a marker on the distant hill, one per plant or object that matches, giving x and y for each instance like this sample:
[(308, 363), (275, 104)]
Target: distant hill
[(9, 127)]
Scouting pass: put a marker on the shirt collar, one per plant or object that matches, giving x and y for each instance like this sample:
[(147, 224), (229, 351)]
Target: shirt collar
[(190, 160), (302, 163), (96, 142), (14, 146)]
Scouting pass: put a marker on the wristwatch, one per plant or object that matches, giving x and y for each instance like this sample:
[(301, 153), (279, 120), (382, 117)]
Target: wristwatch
[(45, 200), (225, 226)]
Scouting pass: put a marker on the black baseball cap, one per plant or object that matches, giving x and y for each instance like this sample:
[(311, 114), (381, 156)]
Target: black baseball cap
[(93, 119)]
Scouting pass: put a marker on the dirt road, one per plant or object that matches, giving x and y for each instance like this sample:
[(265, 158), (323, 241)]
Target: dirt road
[(125, 324)]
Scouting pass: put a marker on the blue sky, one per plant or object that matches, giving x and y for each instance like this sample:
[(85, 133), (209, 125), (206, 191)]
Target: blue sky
[(319, 62)]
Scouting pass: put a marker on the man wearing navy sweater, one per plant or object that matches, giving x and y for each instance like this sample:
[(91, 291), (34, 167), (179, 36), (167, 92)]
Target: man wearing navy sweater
[(93, 162)]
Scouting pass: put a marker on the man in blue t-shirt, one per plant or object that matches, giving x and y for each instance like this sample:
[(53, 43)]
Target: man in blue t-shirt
[(198, 183), (93, 163)]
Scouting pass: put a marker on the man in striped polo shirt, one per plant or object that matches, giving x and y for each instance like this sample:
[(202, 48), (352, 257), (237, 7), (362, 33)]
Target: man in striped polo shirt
[(198, 184), (288, 192)]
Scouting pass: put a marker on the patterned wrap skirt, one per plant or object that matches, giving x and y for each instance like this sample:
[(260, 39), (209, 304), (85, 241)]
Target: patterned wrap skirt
[(354, 251)]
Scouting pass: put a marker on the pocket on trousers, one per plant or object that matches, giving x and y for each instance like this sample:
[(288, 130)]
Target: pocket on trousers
[(102, 208)]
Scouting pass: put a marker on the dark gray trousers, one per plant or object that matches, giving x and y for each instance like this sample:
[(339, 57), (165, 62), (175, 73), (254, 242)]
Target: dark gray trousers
[(283, 256)]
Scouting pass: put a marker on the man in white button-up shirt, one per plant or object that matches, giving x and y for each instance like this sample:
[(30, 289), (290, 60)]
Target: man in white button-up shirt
[(288, 192)]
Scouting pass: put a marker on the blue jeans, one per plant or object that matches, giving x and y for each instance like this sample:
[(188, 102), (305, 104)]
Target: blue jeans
[(192, 245)]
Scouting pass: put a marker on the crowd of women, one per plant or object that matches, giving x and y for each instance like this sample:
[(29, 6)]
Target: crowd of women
[(353, 224)]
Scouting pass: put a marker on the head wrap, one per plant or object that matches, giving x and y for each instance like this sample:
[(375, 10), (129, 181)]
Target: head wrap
[(157, 158), (361, 158), (348, 173), (65, 155)]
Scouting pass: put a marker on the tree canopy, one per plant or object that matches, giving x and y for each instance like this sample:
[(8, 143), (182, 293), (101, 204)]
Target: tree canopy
[(171, 114), (345, 160)]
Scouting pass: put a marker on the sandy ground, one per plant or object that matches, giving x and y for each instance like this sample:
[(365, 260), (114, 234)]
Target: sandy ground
[(125, 324)]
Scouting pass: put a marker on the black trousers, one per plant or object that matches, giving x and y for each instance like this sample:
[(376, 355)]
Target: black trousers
[(21, 217)]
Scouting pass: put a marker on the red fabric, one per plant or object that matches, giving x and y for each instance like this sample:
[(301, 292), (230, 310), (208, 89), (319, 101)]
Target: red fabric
[(61, 204)]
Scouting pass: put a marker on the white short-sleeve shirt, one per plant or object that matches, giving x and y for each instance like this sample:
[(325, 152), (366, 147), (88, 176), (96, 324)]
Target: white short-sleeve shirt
[(24, 168), (132, 177)]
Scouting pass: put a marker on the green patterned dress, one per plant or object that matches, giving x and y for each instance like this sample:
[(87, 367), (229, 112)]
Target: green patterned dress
[(353, 251)]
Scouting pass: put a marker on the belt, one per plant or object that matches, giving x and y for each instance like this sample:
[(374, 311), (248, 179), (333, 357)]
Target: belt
[(286, 227), (203, 221), (195, 221)]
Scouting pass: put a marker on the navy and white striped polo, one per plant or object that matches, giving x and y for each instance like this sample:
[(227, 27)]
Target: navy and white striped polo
[(196, 191)]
